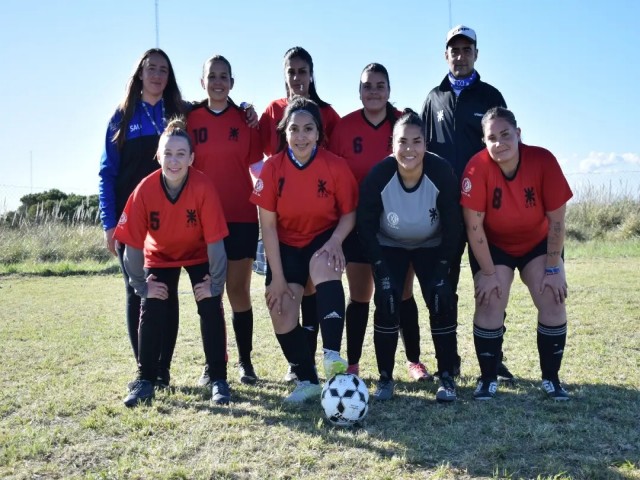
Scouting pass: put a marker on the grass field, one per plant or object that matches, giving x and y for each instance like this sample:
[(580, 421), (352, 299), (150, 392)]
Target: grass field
[(65, 362)]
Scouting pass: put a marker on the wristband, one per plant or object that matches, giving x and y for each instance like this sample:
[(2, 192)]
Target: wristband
[(552, 270)]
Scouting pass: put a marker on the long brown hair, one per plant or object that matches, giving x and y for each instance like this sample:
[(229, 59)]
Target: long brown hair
[(172, 97)]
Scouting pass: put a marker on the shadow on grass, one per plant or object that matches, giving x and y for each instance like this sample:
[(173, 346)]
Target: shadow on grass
[(519, 434)]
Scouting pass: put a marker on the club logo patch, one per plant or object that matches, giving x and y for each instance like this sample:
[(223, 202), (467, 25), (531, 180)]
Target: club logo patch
[(258, 187), (393, 219), (466, 185), (123, 219)]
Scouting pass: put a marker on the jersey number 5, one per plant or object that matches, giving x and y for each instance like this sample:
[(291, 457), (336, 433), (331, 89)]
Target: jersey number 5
[(154, 220)]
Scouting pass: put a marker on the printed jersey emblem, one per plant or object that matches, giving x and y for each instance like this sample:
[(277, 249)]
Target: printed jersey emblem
[(433, 215), (234, 134), (191, 218), (123, 219), (258, 186), (440, 115), (529, 197), (393, 219), (466, 185), (322, 188)]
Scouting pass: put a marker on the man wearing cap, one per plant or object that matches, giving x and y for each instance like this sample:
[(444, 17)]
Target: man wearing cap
[(452, 114)]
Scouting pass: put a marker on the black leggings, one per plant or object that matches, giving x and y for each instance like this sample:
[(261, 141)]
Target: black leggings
[(154, 320), (170, 334), (443, 326)]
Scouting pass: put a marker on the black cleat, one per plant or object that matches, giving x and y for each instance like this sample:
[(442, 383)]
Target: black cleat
[(486, 389), (555, 390), (141, 391), (247, 373), (220, 393), (204, 380)]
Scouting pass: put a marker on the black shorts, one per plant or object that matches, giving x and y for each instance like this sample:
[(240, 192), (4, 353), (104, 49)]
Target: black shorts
[(500, 257), (295, 260), (353, 251), (242, 241)]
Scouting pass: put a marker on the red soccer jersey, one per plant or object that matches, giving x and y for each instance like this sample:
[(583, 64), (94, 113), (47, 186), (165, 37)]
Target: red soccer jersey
[(224, 148), (172, 233), (515, 210), (361, 143), (308, 200), (274, 113)]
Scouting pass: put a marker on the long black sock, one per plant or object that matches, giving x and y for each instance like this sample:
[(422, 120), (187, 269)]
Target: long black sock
[(551, 343), (385, 340), (243, 328), (330, 308), (296, 351), (488, 345), (445, 341), (357, 316), (310, 322), (214, 336), (409, 329)]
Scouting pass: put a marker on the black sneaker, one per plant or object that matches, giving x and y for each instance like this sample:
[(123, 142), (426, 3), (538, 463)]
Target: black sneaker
[(447, 390), (384, 390), (504, 375), (220, 394), (163, 378), (555, 390), (204, 380), (247, 373), (141, 391), (486, 389)]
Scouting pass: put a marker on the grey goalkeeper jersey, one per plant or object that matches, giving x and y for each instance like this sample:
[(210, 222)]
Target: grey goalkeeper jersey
[(427, 215)]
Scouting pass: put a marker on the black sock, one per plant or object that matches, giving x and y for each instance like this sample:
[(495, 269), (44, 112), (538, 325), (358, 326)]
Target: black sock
[(330, 308), (357, 316), (504, 330), (385, 340), (310, 322), (445, 341), (243, 328), (488, 345), (409, 329), (214, 336), (551, 342), (295, 349)]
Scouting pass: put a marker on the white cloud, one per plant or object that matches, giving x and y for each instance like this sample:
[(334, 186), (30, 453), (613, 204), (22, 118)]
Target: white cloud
[(603, 162)]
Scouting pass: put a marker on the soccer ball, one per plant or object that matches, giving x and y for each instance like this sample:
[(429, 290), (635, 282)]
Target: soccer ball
[(345, 400)]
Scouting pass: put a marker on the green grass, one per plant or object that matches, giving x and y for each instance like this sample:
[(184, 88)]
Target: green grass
[(65, 362)]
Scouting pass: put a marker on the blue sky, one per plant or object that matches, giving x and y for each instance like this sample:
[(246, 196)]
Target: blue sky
[(568, 70)]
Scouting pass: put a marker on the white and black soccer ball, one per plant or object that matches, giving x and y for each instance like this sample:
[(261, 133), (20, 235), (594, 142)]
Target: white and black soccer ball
[(345, 400)]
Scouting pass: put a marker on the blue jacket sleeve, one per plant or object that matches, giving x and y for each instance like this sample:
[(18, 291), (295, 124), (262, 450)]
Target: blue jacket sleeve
[(109, 167)]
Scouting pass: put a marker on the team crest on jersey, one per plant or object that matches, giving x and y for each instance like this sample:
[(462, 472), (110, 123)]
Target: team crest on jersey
[(529, 197), (392, 220), (192, 218), (322, 188), (466, 186), (433, 215), (258, 187), (123, 219), (234, 134), (440, 115)]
